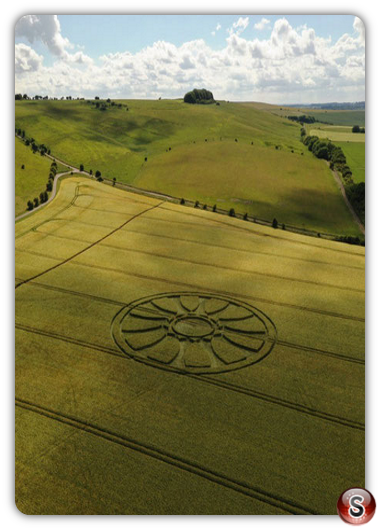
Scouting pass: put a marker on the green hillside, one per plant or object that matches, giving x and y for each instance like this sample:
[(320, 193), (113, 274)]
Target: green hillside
[(228, 154), (30, 181)]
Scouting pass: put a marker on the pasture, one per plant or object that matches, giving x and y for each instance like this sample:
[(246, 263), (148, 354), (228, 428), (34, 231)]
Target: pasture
[(355, 155), (30, 181), (175, 148), (173, 361), (352, 144), (337, 134)]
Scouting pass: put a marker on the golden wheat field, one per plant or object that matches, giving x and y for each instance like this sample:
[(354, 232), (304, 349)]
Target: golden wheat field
[(171, 360)]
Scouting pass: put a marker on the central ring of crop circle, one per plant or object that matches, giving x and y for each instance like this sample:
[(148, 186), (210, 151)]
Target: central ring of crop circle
[(193, 326), (194, 333)]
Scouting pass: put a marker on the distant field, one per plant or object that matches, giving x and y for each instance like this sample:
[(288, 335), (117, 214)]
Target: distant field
[(340, 117), (132, 317), (355, 155), (334, 117), (335, 134), (353, 145), (171, 136)]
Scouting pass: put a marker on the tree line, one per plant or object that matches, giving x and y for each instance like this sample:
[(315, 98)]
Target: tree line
[(302, 119), (44, 195), (326, 150)]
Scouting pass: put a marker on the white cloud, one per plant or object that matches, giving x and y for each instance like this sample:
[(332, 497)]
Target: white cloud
[(26, 59), (239, 26), (360, 29), (47, 29), (291, 65), (186, 63), (264, 22), (218, 27)]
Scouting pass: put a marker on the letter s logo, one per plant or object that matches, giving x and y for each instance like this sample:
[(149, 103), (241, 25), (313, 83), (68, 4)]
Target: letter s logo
[(356, 507)]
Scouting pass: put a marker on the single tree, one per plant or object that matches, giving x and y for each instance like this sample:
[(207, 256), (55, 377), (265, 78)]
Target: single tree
[(114, 181), (30, 205), (36, 202), (23, 166), (231, 213), (98, 174), (81, 167), (274, 223)]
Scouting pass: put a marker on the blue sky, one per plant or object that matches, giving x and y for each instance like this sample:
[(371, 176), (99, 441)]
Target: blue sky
[(112, 33), (272, 58)]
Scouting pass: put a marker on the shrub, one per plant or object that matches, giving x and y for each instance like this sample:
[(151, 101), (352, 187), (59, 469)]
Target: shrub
[(182, 201), (205, 206), (231, 213), (196, 205), (98, 174), (114, 181), (214, 208), (283, 226), (90, 171), (274, 223), (81, 167), (146, 159), (23, 166), (245, 217)]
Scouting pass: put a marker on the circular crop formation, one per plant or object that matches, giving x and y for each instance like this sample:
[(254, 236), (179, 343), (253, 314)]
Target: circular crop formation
[(194, 333)]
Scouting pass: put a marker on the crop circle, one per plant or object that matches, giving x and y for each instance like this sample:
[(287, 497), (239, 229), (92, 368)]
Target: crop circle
[(196, 333)]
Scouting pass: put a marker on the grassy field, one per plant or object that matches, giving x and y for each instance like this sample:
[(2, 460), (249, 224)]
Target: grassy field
[(128, 407), (248, 181), (30, 181), (162, 145), (337, 134), (353, 145), (355, 155)]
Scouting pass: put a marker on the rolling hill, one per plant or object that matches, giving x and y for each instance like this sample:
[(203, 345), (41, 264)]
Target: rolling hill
[(234, 155)]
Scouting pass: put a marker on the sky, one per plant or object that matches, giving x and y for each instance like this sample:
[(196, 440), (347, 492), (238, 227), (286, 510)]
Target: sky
[(281, 59)]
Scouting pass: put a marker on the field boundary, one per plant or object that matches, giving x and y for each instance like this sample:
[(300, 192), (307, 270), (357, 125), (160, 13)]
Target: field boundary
[(217, 291), (348, 204), (203, 264), (188, 203), (91, 245)]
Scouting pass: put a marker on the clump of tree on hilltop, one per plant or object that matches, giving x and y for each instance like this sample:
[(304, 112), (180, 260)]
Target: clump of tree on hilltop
[(200, 96)]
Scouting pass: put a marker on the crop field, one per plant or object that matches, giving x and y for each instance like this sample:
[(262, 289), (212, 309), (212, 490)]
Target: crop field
[(337, 134), (171, 360), (175, 148)]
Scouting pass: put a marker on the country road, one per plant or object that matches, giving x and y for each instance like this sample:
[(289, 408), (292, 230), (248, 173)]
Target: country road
[(73, 169), (158, 195), (348, 204)]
